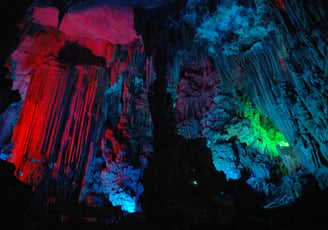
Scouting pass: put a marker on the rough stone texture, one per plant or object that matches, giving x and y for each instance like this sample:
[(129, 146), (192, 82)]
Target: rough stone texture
[(267, 67), (144, 113), (257, 71), (83, 124), (116, 25)]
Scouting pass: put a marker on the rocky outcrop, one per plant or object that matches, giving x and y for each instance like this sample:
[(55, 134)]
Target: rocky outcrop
[(267, 68), (250, 80), (84, 123), (153, 101)]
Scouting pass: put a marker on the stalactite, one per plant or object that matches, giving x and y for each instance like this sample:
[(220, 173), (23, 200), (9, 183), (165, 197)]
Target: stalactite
[(72, 96), (85, 126)]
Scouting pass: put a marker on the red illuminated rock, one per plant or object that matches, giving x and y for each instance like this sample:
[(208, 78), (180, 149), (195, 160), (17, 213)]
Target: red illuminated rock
[(84, 89)]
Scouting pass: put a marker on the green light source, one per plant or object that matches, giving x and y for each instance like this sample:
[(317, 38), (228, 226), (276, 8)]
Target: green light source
[(267, 136), (283, 144), (194, 182)]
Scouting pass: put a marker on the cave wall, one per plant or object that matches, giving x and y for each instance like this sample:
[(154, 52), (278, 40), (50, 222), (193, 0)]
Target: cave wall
[(245, 75), (107, 91), (83, 125)]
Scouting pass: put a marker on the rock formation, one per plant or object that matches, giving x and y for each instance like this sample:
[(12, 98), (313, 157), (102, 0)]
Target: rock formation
[(135, 101)]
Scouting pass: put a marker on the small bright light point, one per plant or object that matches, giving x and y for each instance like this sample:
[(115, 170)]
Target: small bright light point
[(283, 144), (194, 182)]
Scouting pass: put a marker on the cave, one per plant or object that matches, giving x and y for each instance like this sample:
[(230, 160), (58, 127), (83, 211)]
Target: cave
[(164, 114)]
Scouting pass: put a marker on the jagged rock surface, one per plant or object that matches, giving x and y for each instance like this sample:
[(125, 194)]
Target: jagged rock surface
[(244, 82), (83, 125), (254, 86)]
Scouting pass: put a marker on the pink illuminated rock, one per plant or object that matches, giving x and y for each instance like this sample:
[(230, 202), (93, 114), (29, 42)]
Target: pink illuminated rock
[(115, 25), (46, 16)]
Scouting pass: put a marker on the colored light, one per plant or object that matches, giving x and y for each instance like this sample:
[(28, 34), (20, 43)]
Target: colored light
[(283, 144), (280, 4), (124, 200), (267, 135)]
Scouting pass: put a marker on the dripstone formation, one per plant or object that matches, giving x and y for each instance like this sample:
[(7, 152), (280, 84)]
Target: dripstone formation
[(203, 113)]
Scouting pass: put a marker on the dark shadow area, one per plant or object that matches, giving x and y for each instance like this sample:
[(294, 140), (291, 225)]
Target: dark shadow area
[(7, 96), (73, 53), (15, 197), (12, 13), (181, 184)]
